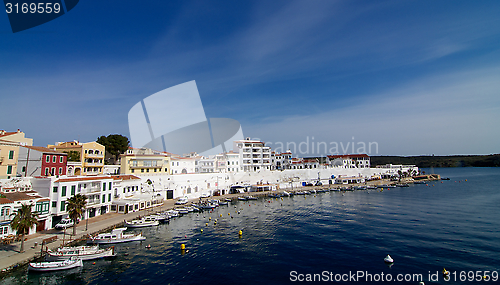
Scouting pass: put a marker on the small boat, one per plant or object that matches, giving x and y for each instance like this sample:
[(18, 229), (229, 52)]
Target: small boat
[(116, 236), (242, 198), (418, 182), (82, 252), (286, 194), (223, 203), (272, 195), (371, 187), (55, 265), (388, 259), (182, 201), (228, 200), (141, 223), (172, 213), (402, 185), (251, 198)]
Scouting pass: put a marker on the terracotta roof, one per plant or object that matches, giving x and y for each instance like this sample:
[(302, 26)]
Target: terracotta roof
[(44, 149), (5, 201), (7, 134), (83, 178), (44, 200), (125, 177), (19, 196)]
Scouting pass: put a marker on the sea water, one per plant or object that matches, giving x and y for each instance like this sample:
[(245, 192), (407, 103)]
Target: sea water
[(334, 237)]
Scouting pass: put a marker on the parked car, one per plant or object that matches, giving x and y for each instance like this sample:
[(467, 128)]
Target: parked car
[(64, 224)]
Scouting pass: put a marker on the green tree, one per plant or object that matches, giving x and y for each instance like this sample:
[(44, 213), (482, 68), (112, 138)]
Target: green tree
[(75, 208), (23, 221), (73, 155), (115, 144)]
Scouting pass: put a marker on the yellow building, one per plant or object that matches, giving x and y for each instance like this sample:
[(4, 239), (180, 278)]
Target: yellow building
[(91, 156), (9, 152), (144, 161)]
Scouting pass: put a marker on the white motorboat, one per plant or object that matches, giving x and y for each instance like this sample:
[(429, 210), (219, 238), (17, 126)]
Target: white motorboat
[(182, 201), (116, 236), (251, 198), (388, 259), (82, 252), (55, 265), (141, 223), (242, 198)]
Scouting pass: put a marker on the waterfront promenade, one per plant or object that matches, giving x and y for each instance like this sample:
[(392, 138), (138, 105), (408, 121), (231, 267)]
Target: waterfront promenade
[(10, 257)]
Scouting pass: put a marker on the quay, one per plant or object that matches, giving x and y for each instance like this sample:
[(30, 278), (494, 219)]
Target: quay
[(11, 258)]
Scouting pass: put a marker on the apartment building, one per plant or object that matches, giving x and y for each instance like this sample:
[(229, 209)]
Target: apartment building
[(137, 161), (9, 151), (91, 161), (253, 155), (41, 161)]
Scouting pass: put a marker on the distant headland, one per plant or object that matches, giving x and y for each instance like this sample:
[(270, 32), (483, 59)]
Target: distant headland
[(426, 161)]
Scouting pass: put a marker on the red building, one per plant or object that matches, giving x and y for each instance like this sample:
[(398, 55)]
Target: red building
[(41, 161)]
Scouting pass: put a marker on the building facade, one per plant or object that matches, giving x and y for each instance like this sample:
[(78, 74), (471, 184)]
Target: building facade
[(253, 155), (91, 156), (144, 161), (41, 161)]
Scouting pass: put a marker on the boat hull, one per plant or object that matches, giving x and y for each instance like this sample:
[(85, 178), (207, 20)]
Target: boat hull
[(54, 265)]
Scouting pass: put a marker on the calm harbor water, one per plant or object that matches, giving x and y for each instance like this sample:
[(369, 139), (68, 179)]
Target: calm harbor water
[(454, 224)]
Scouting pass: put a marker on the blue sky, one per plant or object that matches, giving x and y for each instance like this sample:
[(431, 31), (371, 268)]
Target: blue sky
[(416, 77)]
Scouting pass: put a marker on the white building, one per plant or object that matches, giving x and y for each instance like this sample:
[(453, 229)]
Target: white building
[(253, 155), (205, 164), (13, 200), (98, 190), (228, 162), (182, 165), (349, 160)]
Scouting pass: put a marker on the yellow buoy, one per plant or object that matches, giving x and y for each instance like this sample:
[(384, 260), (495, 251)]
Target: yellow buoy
[(229, 214), (240, 232), (183, 246), (209, 218), (201, 230), (206, 224), (221, 215)]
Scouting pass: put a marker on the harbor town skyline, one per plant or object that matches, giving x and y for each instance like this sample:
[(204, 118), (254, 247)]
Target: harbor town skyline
[(416, 78)]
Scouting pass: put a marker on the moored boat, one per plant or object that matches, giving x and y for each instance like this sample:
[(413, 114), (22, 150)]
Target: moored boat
[(82, 252), (116, 236), (55, 265)]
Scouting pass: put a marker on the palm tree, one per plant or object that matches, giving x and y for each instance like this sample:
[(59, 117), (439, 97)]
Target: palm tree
[(76, 206), (23, 221)]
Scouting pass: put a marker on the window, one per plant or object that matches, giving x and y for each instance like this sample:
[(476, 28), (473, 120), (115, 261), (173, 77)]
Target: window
[(54, 189), (47, 158), (73, 188), (104, 186), (60, 170), (9, 169), (54, 158), (132, 171), (63, 206), (63, 192), (46, 171), (11, 154), (61, 159), (109, 197), (109, 185), (53, 171), (54, 204), (24, 169), (104, 198)]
